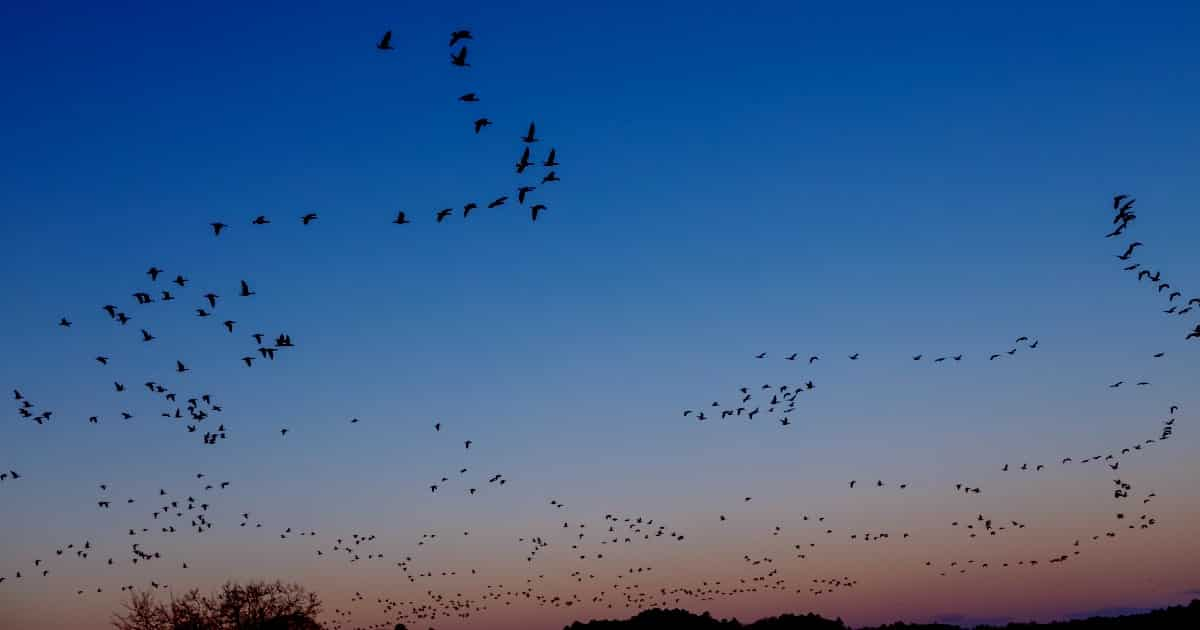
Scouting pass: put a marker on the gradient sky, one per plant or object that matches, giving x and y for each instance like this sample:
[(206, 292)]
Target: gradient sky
[(882, 178)]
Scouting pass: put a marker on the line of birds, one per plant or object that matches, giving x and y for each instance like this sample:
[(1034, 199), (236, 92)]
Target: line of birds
[(1123, 205)]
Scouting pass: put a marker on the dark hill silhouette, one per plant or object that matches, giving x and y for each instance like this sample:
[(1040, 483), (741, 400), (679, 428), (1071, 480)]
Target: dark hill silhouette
[(657, 619)]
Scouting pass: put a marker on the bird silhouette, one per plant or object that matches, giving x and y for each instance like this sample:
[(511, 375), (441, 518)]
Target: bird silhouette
[(529, 137), (458, 36), (469, 97), (460, 58), (308, 218), (550, 161), (443, 213), (385, 42), (534, 210), (1129, 251), (217, 227), (522, 191), (524, 162), (260, 220), (400, 218), (550, 177), (480, 123)]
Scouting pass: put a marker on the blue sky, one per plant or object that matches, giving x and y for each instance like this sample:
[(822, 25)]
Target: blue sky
[(877, 178)]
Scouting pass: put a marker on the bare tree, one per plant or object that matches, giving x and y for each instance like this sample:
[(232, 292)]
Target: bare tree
[(253, 606)]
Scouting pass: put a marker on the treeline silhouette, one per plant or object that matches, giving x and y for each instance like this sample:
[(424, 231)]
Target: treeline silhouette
[(657, 619), (253, 606)]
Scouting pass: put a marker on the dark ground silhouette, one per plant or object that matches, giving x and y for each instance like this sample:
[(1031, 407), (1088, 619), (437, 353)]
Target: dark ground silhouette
[(656, 619)]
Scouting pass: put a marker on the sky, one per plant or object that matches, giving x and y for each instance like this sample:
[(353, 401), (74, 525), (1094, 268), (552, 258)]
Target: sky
[(823, 179)]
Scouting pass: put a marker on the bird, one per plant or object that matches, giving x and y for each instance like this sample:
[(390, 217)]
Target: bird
[(534, 210), (468, 208), (529, 137), (524, 162), (499, 201), (550, 177), (64, 322), (1129, 250), (443, 213), (180, 280), (1117, 199), (437, 426), (103, 360), (385, 42), (260, 220), (854, 357), (217, 227), (917, 357), (522, 191), (308, 218), (550, 161), (460, 58), (212, 299), (180, 367), (283, 432), (480, 123), (1115, 385), (458, 36), (246, 292), (1173, 295), (1159, 355), (153, 273), (401, 219), (467, 444), (1194, 334), (469, 97)]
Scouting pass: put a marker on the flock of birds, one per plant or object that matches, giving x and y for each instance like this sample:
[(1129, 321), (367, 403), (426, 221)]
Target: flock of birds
[(604, 554), (782, 401), (1123, 206)]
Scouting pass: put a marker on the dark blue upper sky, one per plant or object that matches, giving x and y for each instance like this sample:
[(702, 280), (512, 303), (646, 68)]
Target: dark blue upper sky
[(875, 177)]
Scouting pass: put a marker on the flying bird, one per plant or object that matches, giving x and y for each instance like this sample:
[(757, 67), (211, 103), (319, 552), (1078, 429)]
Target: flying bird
[(458, 36), (401, 219), (534, 210), (385, 42), (524, 162), (443, 213), (308, 218), (217, 227), (481, 123), (529, 137), (460, 58), (469, 97), (1129, 250), (550, 161)]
